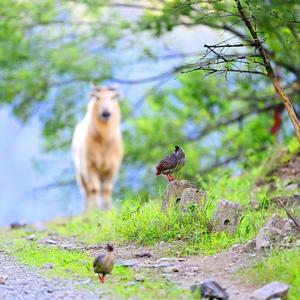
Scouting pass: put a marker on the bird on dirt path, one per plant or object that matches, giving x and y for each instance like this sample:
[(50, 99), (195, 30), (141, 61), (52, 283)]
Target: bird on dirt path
[(171, 163), (103, 264)]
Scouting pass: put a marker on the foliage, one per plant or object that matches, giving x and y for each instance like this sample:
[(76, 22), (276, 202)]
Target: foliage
[(51, 50)]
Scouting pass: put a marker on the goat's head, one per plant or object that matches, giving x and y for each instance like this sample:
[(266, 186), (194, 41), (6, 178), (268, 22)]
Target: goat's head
[(104, 101)]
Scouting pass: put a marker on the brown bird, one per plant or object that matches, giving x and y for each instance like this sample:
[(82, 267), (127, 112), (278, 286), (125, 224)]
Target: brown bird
[(171, 163), (103, 264)]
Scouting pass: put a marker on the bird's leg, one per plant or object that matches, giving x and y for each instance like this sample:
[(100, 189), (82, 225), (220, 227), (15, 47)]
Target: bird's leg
[(101, 278), (170, 177)]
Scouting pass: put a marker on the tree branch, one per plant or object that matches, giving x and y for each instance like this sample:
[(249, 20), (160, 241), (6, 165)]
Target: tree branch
[(270, 72)]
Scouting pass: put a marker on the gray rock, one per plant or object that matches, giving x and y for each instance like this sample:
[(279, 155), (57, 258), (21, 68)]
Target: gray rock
[(174, 191), (192, 197), (274, 232), (226, 216), (211, 290), (50, 242), (272, 290)]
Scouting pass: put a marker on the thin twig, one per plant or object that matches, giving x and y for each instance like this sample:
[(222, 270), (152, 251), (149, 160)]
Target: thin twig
[(290, 215)]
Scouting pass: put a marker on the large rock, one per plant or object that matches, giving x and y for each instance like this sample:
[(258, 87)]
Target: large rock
[(271, 291), (275, 231), (174, 191), (210, 290), (191, 198), (226, 216)]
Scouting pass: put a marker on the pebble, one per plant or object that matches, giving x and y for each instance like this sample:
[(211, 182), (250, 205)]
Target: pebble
[(50, 242), (48, 266), (131, 283), (30, 237), (127, 263), (139, 278), (3, 279)]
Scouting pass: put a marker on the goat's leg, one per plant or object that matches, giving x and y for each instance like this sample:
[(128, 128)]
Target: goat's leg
[(106, 191), (93, 198)]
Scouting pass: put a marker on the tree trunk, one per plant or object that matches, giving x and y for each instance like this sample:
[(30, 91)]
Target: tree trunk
[(288, 105)]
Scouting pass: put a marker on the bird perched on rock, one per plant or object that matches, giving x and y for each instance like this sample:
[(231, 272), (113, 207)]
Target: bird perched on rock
[(171, 163), (103, 264)]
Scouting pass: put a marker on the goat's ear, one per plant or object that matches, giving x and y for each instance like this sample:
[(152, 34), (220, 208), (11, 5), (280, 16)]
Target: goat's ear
[(119, 95)]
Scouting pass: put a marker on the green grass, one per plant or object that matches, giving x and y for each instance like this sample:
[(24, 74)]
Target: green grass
[(145, 223), (280, 265)]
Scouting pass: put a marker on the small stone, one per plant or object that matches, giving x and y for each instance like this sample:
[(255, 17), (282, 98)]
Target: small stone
[(163, 265), (48, 266), (249, 246), (170, 259), (3, 279), (235, 247), (131, 283), (50, 242), (291, 187), (139, 278), (143, 255), (127, 263), (172, 269), (30, 237), (272, 290), (17, 225)]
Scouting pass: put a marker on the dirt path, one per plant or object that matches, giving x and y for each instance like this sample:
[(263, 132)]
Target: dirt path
[(25, 283), (187, 271), (184, 271)]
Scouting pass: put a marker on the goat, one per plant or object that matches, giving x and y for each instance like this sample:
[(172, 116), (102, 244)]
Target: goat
[(97, 147)]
